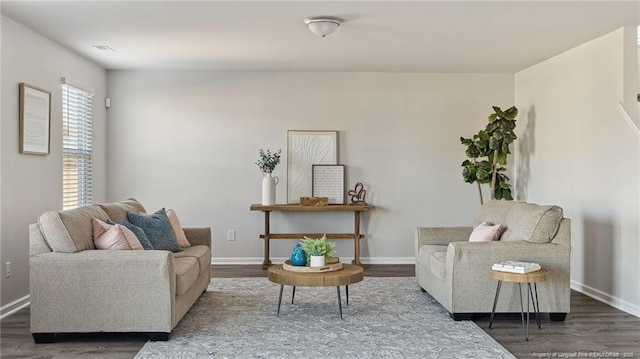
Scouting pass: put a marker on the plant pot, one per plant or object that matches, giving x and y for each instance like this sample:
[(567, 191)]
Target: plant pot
[(317, 261), (269, 189)]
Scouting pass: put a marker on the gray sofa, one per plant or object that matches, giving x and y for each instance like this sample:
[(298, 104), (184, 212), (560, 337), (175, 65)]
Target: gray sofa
[(75, 288), (457, 272)]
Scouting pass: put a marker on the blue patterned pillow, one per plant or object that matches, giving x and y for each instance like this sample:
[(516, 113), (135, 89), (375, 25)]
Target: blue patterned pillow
[(158, 229)]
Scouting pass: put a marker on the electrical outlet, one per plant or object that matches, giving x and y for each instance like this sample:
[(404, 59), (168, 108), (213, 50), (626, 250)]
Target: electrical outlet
[(7, 269), (231, 235)]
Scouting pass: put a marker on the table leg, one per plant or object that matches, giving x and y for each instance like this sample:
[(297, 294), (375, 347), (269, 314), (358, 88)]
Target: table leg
[(536, 304), (356, 238), (347, 287), (522, 311), (528, 310), (267, 261), (293, 294), (339, 302), (495, 302), (279, 300)]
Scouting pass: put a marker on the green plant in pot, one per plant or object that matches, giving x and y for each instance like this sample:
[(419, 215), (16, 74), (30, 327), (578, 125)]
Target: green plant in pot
[(267, 162), (317, 250), (487, 152)]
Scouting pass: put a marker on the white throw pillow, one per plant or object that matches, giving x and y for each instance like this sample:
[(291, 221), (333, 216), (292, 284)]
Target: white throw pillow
[(486, 232)]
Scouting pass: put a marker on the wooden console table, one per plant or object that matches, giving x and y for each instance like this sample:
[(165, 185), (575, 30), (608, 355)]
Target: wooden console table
[(356, 235)]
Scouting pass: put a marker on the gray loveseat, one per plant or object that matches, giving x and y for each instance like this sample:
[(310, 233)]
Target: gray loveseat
[(457, 272), (77, 289)]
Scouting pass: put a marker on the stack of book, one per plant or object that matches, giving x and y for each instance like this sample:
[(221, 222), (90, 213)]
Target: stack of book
[(516, 267)]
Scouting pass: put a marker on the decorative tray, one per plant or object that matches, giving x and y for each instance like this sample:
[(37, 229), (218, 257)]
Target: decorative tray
[(329, 267)]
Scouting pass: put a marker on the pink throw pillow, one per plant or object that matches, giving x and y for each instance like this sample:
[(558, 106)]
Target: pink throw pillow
[(177, 227), (486, 232), (107, 236)]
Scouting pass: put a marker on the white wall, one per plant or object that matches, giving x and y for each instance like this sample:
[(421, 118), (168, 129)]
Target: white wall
[(32, 184), (576, 150), (189, 140)]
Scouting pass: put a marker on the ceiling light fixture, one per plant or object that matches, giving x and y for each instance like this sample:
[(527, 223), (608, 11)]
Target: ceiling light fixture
[(323, 25), (104, 48)]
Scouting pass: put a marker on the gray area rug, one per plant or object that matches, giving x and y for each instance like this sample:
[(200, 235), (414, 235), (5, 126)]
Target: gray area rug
[(386, 318)]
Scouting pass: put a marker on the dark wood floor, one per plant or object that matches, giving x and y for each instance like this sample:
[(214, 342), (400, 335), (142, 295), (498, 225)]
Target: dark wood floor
[(591, 330)]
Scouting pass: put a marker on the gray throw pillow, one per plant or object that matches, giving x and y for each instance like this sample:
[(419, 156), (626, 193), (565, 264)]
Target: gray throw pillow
[(142, 237), (158, 229)]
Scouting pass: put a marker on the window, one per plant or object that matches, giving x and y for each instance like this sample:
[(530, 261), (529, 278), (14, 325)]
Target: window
[(76, 147)]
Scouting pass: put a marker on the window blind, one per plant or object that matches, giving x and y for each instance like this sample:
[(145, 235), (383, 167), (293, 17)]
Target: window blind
[(76, 147)]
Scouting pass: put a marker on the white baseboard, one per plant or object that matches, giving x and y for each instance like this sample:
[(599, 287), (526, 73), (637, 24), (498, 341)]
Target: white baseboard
[(364, 260), (16, 305), (606, 298)]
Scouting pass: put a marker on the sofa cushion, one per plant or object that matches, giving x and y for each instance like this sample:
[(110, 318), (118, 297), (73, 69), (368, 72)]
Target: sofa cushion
[(114, 236), (187, 270), (432, 257), (437, 264), (118, 211), (494, 212), (201, 253), (158, 229), (177, 227), (70, 231), (532, 222)]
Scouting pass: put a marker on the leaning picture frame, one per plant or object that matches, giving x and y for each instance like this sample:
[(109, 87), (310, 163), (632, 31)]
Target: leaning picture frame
[(35, 120), (329, 181), (305, 149)]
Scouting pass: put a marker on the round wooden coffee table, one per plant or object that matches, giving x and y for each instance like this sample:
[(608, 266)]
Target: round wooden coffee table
[(349, 274)]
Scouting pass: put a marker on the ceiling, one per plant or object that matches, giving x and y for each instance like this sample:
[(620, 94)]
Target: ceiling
[(376, 36)]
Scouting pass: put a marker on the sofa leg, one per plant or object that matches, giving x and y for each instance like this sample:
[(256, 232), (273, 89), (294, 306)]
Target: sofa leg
[(422, 290), (460, 316), (158, 336), (557, 317), (41, 338)]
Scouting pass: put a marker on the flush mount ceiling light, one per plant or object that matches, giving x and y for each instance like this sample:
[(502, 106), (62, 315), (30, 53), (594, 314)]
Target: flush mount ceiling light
[(104, 48), (322, 25)]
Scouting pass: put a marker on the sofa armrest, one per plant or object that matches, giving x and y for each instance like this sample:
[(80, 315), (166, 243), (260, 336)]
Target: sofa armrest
[(197, 236), (81, 292), (441, 235), (468, 272)]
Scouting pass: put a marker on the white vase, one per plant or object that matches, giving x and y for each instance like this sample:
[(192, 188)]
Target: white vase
[(317, 261), (269, 189)]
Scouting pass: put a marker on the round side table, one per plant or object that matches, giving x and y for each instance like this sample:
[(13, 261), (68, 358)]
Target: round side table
[(531, 277)]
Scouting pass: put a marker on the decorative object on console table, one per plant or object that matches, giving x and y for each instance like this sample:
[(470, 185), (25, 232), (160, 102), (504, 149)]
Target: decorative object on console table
[(317, 249), (314, 201), (304, 149), (328, 180), (358, 194), (267, 163)]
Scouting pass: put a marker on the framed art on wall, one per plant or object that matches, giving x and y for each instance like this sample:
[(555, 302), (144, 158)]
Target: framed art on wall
[(35, 120), (328, 181), (305, 149)]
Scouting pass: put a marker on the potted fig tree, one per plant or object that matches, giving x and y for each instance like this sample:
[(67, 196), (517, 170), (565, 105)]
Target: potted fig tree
[(487, 152)]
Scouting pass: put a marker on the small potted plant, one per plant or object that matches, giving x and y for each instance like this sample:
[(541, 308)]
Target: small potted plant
[(267, 162), (317, 250)]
